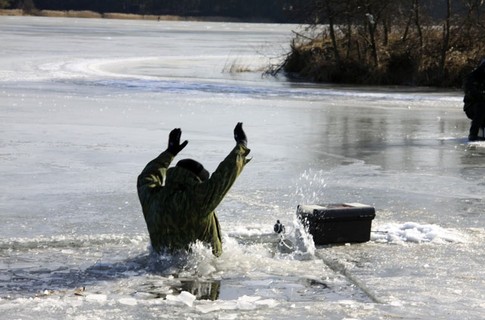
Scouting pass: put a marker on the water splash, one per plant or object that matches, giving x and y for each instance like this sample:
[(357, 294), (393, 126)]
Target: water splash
[(310, 188)]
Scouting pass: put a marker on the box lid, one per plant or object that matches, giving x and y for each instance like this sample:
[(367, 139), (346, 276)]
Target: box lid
[(340, 211)]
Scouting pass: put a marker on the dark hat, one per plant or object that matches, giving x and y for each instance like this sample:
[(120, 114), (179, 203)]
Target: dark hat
[(194, 167)]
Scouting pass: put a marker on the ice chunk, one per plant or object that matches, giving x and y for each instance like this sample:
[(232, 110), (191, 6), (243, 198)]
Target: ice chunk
[(184, 297), (208, 307), (247, 302)]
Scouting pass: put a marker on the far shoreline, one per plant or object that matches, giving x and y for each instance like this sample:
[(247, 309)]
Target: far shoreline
[(121, 16)]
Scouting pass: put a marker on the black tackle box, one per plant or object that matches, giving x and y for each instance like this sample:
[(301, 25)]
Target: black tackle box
[(337, 223)]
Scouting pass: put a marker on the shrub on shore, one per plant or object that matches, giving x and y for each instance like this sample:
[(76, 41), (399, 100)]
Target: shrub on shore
[(399, 64), (388, 43), (69, 14)]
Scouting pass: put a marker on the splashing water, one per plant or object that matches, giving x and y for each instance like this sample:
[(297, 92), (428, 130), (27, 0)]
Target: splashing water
[(310, 188)]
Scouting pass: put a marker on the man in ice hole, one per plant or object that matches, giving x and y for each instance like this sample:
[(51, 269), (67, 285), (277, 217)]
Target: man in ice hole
[(178, 202)]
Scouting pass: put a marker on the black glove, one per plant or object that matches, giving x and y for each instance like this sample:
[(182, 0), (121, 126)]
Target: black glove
[(240, 135), (174, 146)]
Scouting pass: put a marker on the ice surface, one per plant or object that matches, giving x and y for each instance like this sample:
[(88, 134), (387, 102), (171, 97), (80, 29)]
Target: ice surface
[(477, 146), (86, 103), (100, 298)]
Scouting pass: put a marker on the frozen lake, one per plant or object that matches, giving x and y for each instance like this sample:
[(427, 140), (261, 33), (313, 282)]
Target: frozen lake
[(86, 103)]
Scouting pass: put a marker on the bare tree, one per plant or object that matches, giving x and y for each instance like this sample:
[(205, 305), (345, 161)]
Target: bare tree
[(417, 22), (331, 21), (446, 38)]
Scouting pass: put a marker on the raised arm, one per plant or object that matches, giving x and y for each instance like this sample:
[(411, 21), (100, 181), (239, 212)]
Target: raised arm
[(153, 175), (212, 192)]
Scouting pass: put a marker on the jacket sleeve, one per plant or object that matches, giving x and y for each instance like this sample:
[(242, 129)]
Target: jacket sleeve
[(210, 193), (153, 175)]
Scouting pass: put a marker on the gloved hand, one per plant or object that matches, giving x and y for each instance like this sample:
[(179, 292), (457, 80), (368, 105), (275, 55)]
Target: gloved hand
[(240, 135), (174, 146)]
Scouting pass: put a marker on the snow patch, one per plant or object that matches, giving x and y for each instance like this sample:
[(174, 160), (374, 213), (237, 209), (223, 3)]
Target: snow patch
[(416, 233)]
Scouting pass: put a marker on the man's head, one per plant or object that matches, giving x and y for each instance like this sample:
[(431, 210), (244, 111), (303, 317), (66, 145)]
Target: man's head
[(194, 167)]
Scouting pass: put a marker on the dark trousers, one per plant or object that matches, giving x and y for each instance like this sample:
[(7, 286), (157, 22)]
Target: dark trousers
[(478, 118)]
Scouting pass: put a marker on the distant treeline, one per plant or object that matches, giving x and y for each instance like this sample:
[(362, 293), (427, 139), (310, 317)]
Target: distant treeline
[(247, 10), (283, 11)]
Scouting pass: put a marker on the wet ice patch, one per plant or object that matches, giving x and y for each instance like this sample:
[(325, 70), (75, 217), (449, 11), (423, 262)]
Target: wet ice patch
[(67, 243), (415, 233)]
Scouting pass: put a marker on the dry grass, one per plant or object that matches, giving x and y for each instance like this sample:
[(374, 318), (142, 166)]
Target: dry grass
[(130, 16), (16, 12), (68, 14), (52, 13), (110, 15), (236, 66)]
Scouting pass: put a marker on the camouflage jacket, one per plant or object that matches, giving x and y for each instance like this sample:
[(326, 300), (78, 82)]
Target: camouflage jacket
[(179, 208)]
